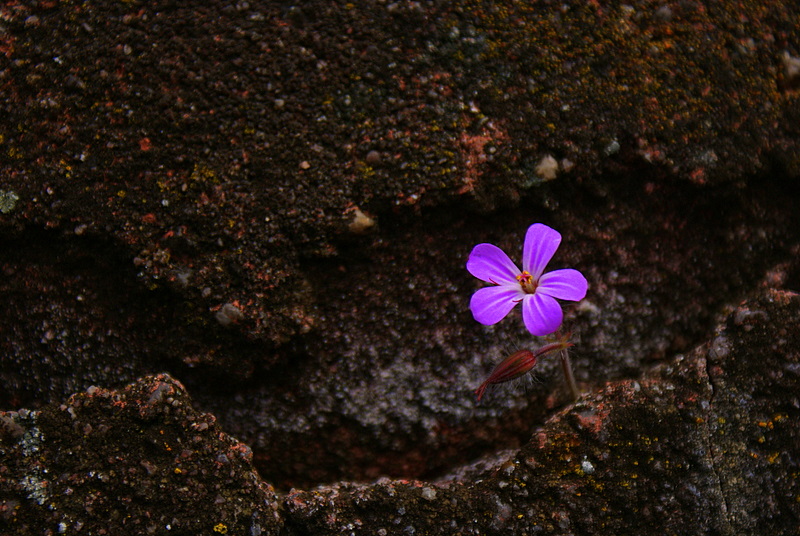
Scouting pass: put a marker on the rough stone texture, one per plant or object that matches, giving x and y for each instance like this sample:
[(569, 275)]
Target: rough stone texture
[(218, 145), (705, 443), (138, 460), (273, 203), (383, 384)]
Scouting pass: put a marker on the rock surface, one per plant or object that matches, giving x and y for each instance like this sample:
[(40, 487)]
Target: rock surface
[(138, 460), (706, 443), (273, 204)]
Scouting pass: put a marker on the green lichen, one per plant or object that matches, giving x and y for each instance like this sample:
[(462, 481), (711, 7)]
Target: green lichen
[(8, 200)]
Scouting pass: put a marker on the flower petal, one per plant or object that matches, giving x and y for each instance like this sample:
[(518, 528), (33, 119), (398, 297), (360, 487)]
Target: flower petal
[(541, 243), (541, 313), (491, 304), (489, 263), (567, 284)]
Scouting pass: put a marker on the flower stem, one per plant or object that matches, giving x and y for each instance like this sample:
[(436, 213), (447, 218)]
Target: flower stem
[(566, 366)]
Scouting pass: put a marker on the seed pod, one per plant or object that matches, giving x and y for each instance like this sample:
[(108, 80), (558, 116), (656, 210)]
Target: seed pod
[(519, 363), (513, 366)]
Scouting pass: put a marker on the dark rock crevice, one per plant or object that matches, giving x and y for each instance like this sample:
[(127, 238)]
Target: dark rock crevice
[(373, 291)]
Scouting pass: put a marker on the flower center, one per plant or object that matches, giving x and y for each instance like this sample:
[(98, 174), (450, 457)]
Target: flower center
[(527, 283)]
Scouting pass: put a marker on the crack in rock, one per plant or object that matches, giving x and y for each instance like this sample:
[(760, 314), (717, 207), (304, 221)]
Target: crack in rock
[(727, 528)]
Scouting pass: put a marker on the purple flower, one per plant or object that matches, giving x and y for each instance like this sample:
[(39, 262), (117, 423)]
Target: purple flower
[(535, 289)]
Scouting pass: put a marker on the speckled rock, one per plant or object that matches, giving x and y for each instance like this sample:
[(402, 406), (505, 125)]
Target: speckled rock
[(274, 204), (219, 146), (138, 460), (705, 443)]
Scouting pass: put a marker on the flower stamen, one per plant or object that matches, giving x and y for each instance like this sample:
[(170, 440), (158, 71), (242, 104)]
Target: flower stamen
[(527, 282)]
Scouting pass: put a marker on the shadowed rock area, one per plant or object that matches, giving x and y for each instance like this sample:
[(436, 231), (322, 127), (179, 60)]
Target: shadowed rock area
[(269, 206), (705, 443)]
